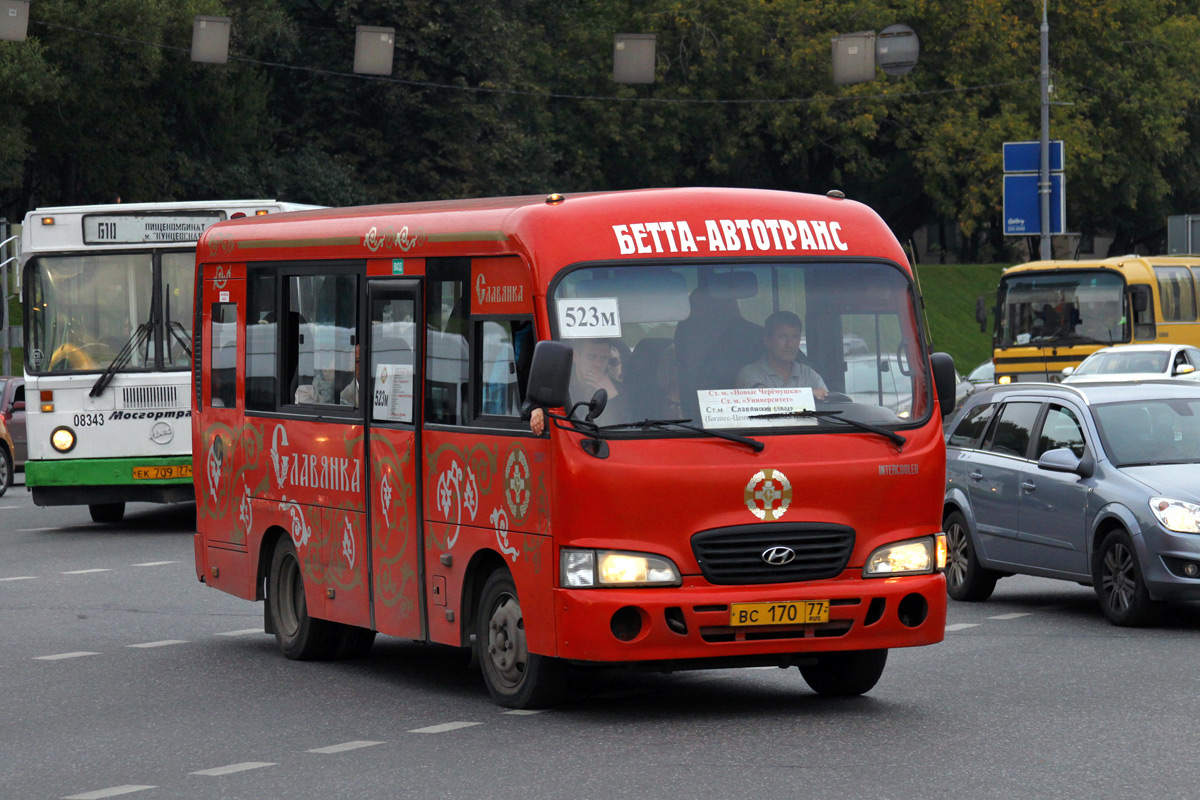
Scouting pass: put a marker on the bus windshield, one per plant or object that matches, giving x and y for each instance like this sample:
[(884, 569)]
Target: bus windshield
[(1062, 308), (86, 309), (750, 346)]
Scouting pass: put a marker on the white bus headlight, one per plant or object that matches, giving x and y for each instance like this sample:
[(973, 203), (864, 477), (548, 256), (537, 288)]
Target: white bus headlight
[(62, 439), (584, 568), (903, 558), (1176, 515)]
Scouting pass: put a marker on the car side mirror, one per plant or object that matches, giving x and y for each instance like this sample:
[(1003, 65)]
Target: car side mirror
[(1068, 372), (1184, 369), (1062, 459), (19, 405), (550, 374), (943, 381)]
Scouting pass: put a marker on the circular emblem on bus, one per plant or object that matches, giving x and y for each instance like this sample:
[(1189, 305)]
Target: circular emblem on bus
[(779, 555), (516, 484), (768, 494), (162, 433)]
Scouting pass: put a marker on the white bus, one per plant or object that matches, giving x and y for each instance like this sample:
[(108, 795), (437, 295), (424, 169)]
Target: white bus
[(108, 349)]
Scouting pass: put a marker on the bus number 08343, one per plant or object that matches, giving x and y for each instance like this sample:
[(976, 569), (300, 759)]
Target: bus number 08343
[(88, 420)]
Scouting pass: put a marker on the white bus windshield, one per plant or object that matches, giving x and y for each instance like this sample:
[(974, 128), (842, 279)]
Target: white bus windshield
[(747, 346), (86, 309), (1062, 308)]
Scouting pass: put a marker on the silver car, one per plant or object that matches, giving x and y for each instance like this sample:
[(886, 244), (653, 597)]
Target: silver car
[(1093, 483)]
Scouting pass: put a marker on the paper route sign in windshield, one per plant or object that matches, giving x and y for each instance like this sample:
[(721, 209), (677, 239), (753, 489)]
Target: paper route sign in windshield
[(736, 408)]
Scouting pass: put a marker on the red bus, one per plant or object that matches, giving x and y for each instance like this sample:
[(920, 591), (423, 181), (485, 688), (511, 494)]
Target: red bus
[(759, 482)]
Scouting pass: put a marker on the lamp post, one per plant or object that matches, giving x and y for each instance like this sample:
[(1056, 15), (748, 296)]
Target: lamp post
[(1044, 168)]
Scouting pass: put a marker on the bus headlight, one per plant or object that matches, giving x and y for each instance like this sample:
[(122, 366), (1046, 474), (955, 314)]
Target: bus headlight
[(1176, 515), (62, 439), (588, 568), (914, 556)]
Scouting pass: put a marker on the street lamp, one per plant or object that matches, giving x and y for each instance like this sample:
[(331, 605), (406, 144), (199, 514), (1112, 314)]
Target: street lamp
[(14, 20), (633, 57), (210, 39), (373, 50)]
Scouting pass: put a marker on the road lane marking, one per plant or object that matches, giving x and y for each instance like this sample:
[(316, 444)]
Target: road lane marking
[(242, 632), (115, 791), (84, 571), (1010, 616), (155, 563), (343, 747), (19, 578), (163, 643), (61, 656), (524, 712), (445, 727), (961, 626), (34, 530), (229, 769)]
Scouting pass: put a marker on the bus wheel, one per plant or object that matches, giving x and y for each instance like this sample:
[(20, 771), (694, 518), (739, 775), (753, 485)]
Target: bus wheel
[(107, 512), (6, 470), (300, 636), (515, 677), (845, 674)]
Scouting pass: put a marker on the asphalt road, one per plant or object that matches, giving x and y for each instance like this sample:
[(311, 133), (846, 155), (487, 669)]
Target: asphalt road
[(122, 676)]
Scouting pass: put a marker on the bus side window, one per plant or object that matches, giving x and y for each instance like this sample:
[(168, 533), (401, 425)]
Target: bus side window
[(223, 356), (1143, 311), (447, 337), (321, 319), (502, 365), (261, 342)]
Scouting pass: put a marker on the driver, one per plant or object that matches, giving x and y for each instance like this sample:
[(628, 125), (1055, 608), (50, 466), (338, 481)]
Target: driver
[(589, 372), (778, 367)]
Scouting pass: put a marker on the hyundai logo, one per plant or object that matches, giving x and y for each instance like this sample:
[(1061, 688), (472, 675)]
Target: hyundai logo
[(778, 556)]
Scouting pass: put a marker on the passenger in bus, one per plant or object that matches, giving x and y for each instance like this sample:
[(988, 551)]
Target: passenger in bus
[(779, 367), (589, 373), (321, 390)]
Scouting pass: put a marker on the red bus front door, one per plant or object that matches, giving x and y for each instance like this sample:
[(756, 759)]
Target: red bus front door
[(393, 341)]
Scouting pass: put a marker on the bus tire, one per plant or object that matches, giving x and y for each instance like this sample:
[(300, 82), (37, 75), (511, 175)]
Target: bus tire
[(354, 642), (966, 579), (845, 674), (107, 512), (515, 678), (6, 470), (300, 637)]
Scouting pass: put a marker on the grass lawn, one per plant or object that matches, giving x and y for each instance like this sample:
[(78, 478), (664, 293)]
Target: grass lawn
[(950, 291)]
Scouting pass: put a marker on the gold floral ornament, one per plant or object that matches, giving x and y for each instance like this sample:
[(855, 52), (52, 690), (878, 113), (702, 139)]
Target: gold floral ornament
[(768, 494)]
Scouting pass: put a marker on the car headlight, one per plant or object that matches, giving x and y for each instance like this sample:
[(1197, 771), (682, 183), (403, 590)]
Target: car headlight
[(587, 568), (911, 557), (62, 439), (1176, 515)]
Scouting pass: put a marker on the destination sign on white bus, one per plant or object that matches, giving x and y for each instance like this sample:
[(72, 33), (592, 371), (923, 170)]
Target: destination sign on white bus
[(147, 228)]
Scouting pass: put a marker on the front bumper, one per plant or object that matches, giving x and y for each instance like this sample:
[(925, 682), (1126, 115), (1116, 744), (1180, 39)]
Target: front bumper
[(690, 623), (1162, 554)]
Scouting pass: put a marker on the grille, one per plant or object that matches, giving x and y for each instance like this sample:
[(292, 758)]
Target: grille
[(734, 555), (136, 397)]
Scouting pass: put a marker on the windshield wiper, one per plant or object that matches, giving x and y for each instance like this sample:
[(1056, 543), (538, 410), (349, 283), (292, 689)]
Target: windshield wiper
[(833, 416), (135, 340), (664, 424), (177, 330)]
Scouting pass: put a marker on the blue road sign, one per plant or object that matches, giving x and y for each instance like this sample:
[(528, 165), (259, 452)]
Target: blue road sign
[(1027, 156), (1022, 214)]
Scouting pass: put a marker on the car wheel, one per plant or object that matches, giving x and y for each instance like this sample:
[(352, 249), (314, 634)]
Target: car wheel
[(966, 578), (845, 674), (1119, 583), (107, 512), (515, 677), (300, 637), (6, 470)]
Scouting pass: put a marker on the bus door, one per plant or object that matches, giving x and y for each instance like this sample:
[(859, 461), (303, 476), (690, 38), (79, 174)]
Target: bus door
[(394, 378), (224, 489)]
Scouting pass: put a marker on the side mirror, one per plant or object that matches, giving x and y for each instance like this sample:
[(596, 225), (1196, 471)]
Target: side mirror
[(943, 381), (981, 314), (1061, 459), (19, 405), (1141, 298), (1068, 372), (596, 405), (550, 374), (1181, 369)]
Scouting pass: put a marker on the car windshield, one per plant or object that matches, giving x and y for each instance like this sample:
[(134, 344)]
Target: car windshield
[(984, 372), (1151, 431), (1061, 308), (1117, 362), (85, 309), (747, 346)]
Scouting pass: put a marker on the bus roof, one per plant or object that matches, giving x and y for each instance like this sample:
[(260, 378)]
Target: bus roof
[(1119, 263), (556, 230)]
